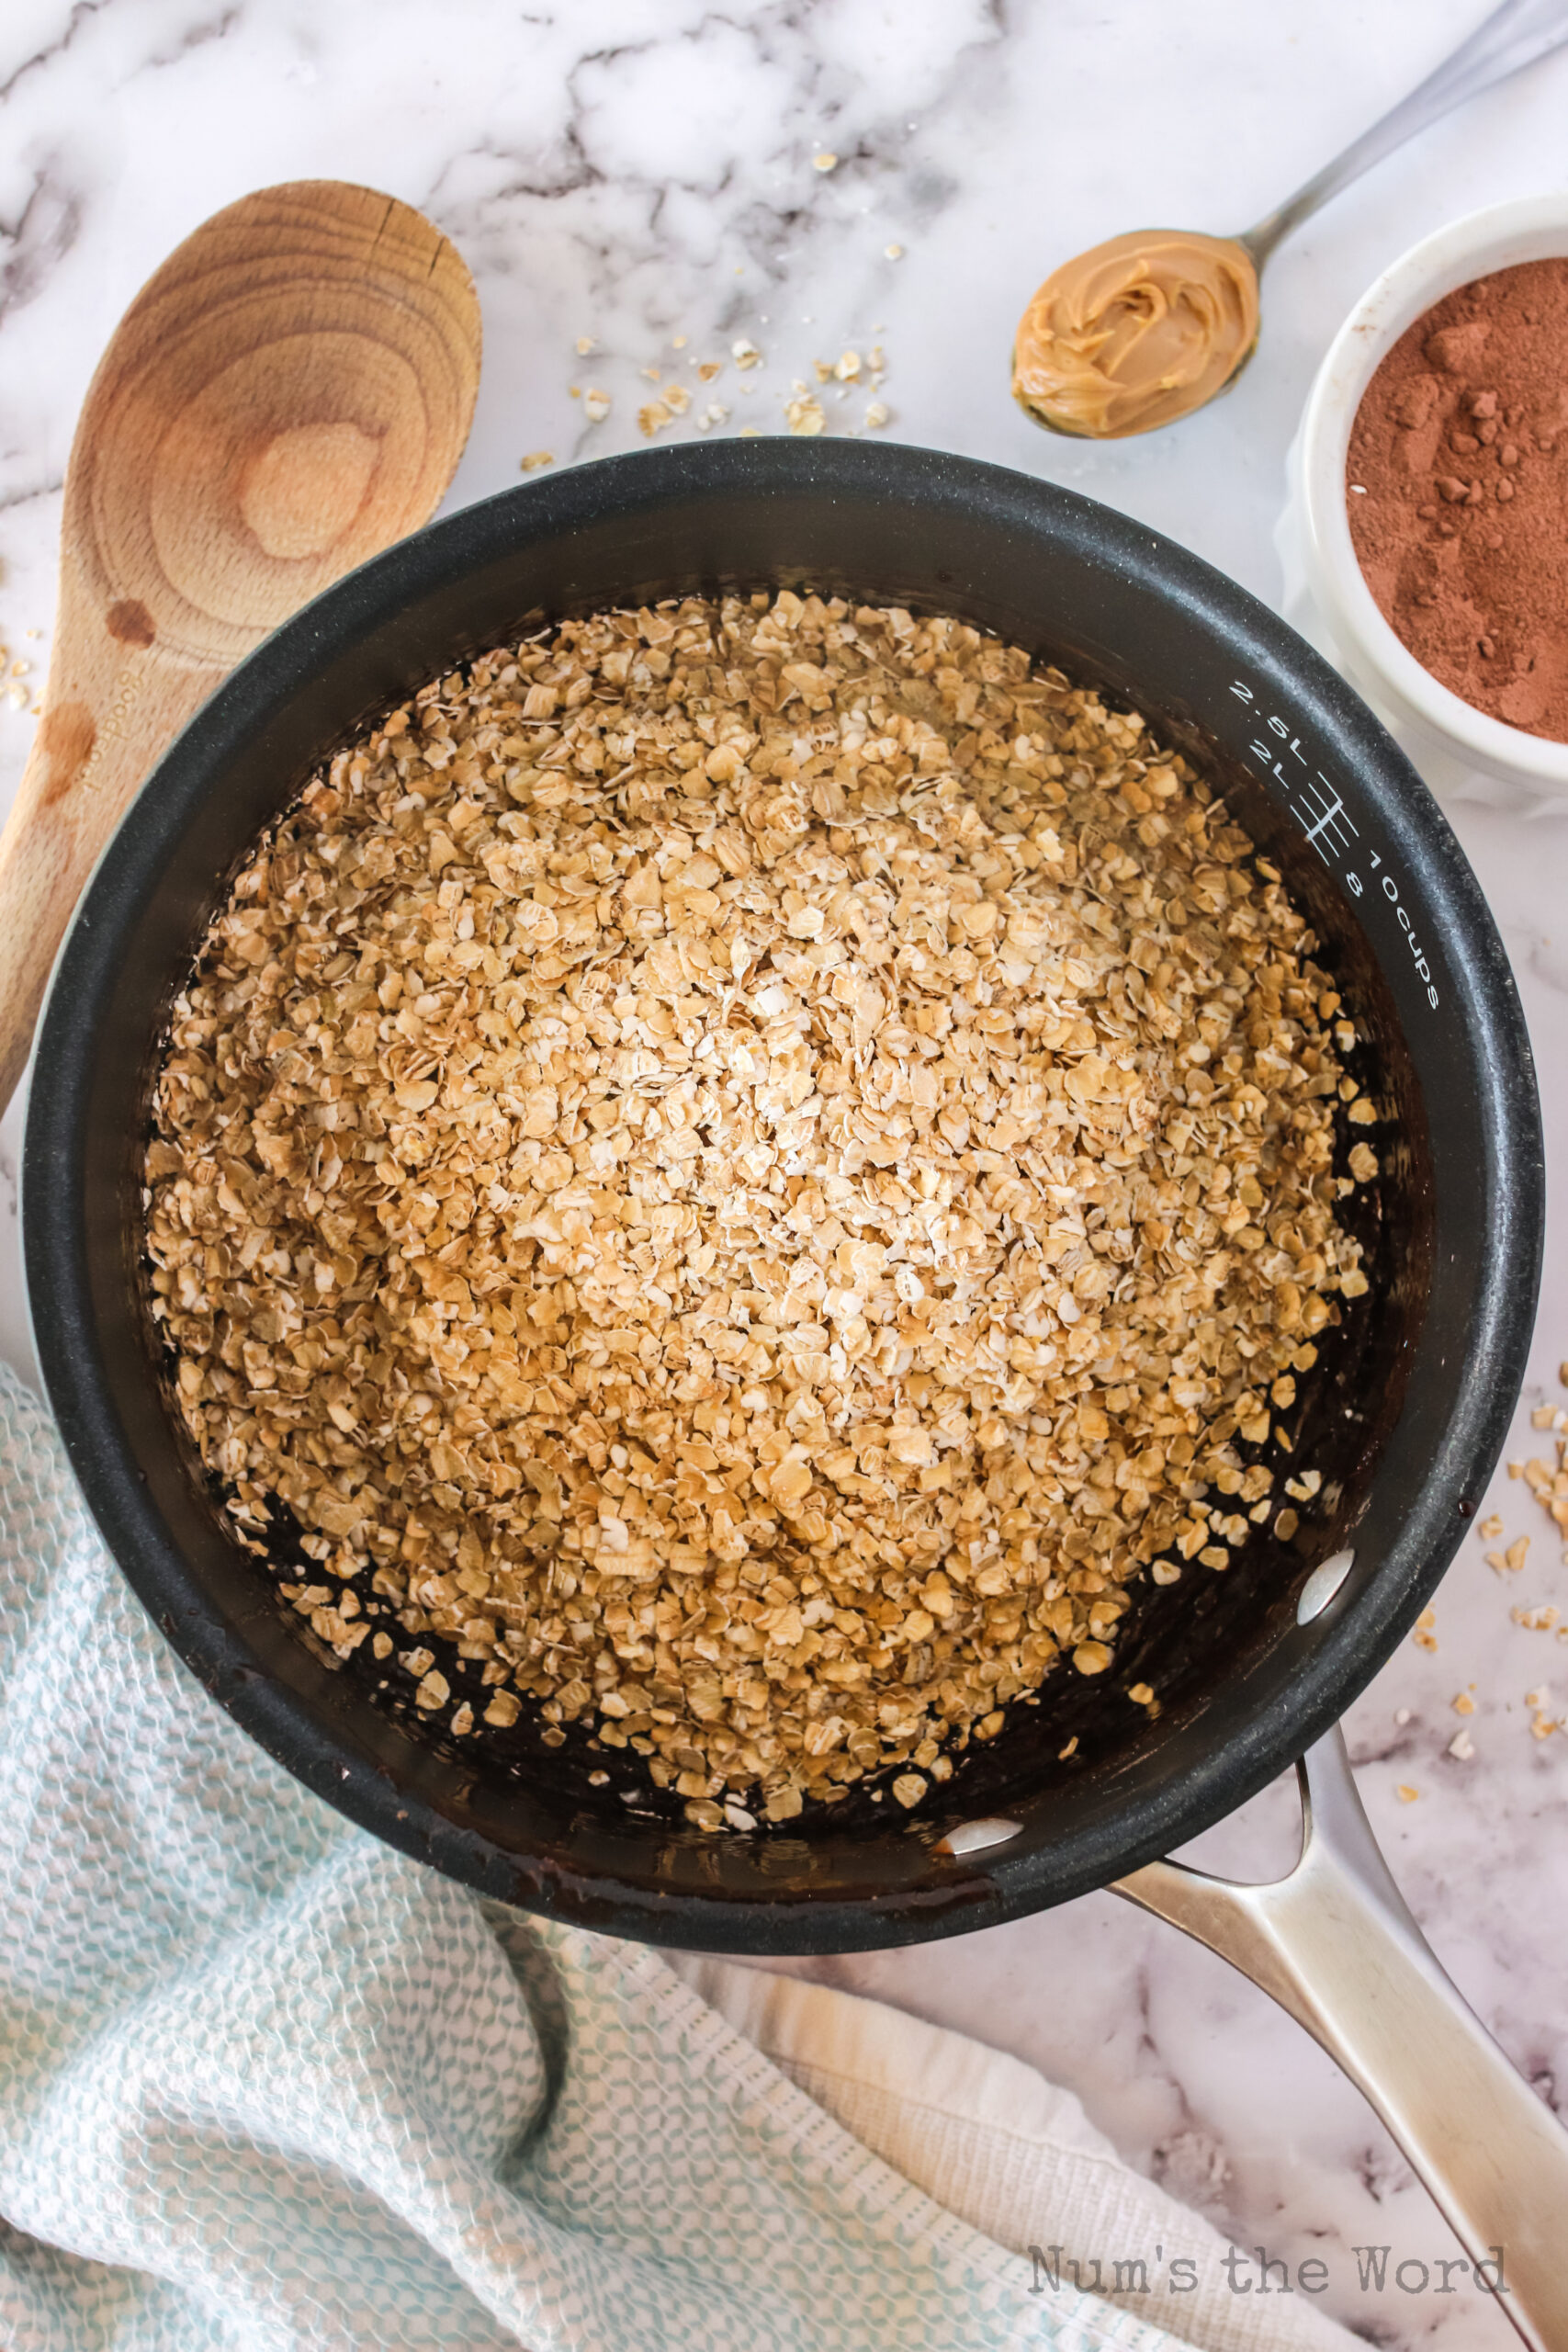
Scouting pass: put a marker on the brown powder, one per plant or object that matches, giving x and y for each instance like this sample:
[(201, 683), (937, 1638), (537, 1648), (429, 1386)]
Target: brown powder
[(1457, 494)]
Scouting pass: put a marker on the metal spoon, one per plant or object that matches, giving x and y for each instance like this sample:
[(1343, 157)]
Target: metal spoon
[(289, 394), (1196, 334)]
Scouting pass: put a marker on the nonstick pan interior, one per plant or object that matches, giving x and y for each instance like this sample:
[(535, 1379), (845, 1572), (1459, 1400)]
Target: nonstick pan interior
[(1403, 1417)]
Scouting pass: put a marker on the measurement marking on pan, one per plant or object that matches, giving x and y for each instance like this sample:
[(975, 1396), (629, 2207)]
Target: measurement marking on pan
[(1314, 801), (1322, 815)]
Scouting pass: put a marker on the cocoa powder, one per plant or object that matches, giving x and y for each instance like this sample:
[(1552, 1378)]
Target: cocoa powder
[(1457, 487)]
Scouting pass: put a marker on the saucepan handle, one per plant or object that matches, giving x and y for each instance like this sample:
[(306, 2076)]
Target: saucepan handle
[(1335, 1944)]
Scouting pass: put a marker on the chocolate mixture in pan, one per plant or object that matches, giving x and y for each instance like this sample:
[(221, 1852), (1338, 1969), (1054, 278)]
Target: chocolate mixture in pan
[(751, 1168)]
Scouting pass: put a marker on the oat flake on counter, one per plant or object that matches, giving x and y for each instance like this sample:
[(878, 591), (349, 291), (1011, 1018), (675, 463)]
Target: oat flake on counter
[(748, 1165)]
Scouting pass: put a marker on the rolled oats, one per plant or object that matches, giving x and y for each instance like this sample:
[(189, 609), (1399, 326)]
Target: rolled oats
[(751, 1166)]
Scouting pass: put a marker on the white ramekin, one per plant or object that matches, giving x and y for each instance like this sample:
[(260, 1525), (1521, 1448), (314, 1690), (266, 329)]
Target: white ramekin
[(1455, 746)]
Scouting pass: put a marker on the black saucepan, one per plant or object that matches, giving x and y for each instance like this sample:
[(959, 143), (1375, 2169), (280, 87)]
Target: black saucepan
[(1403, 1417)]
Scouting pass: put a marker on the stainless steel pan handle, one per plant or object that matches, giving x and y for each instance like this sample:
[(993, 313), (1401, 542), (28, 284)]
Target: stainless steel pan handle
[(1335, 1945)]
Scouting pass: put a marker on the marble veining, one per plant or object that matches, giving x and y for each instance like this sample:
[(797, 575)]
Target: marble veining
[(635, 171)]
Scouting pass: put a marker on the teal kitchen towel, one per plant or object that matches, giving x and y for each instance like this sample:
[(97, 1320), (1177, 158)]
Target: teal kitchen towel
[(268, 2087)]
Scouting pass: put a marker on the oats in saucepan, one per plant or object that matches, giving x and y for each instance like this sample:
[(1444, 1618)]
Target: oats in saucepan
[(748, 1164)]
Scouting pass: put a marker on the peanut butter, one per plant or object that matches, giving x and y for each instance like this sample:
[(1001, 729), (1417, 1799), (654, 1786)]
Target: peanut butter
[(1137, 332)]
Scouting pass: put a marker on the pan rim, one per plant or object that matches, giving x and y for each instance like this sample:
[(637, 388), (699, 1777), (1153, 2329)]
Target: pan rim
[(1350, 1646)]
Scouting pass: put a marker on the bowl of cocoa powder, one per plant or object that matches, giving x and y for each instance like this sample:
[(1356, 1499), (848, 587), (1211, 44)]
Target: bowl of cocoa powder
[(1425, 541)]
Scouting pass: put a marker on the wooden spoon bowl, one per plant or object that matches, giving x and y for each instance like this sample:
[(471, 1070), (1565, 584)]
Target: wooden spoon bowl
[(288, 395)]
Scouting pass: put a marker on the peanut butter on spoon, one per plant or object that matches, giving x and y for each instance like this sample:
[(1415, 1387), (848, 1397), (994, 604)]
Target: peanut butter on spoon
[(1147, 327), (1137, 332)]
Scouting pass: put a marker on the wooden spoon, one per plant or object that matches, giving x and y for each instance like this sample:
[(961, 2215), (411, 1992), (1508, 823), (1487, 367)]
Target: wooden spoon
[(289, 394)]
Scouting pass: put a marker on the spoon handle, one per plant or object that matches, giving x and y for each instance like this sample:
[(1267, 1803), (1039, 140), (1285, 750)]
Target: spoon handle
[(113, 704), (1514, 35), (288, 395)]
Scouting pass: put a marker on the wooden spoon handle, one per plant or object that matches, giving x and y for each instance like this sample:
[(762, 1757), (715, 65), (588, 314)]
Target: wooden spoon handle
[(285, 396), (113, 706)]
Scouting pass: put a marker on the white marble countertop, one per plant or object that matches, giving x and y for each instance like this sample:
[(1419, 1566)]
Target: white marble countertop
[(643, 169)]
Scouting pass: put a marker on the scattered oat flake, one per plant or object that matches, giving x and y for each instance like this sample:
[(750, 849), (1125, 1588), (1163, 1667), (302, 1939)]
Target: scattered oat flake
[(677, 399), (1463, 1747), (1490, 1528), (1141, 1694), (585, 344), (1464, 1704), (894, 252), (877, 415), (678, 342), (713, 413), (1406, 1793), (1542, 1722), (708, 369), (1536, 1621), (595, 405), (653, 417), (804, 413), (745, 353), (1515, 1555), (847, 366), (825, 162), (538, 458)]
